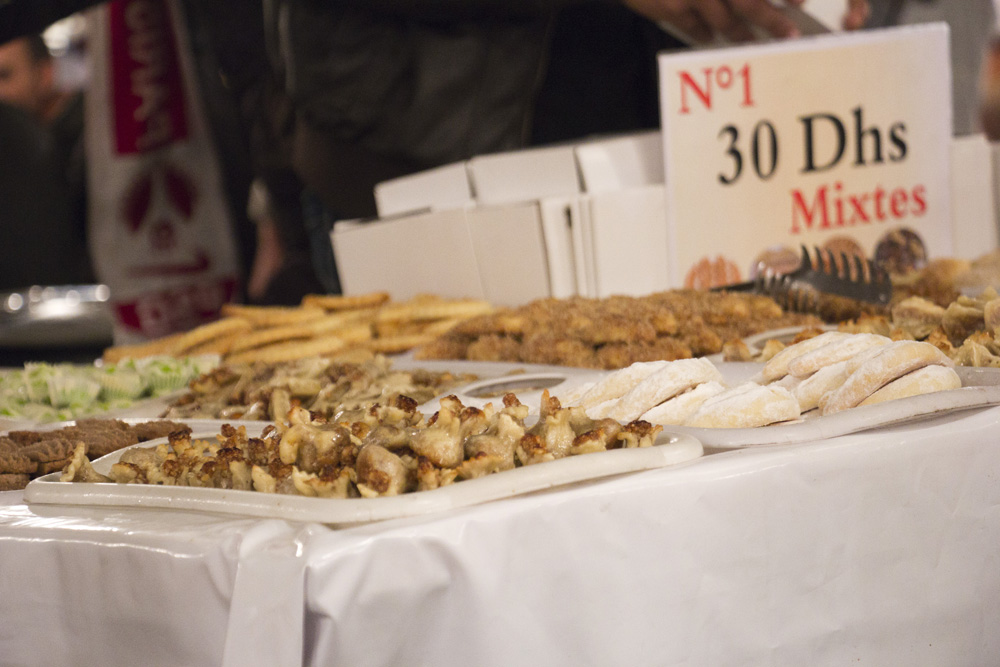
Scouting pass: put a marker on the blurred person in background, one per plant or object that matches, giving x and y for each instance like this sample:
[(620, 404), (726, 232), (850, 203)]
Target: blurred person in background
[(247, 117), (28, 79), (972, 24), (383, 88), (43, 194)]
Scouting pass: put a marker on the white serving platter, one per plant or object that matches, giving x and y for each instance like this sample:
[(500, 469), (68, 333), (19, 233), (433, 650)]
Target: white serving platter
[(527, 381), (980, 388), (493, 380), (785, 335), (671, 449)]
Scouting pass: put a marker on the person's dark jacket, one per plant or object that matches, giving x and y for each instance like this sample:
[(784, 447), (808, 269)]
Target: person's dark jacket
[(42, 238), (386, 88)]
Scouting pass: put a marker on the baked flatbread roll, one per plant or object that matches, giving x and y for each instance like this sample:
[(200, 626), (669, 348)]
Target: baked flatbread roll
[(619, 383), (573, 396), (789, 382), (921, 381), (834, 352), (746, 406), (679, 408), (672, 379), (601, 410), (891, 361), (811, 390), (777, 367)]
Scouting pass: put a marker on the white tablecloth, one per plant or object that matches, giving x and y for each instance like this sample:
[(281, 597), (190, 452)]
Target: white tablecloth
[(871, 549), (81, 586)]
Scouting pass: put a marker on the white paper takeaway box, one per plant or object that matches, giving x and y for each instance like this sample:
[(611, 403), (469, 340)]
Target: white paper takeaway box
[(510, 252), (441, 188), (621, 244), (526, 175), (628, 237), (559, 215), (622, 162), (973, 208), (423, 253), (995, 159)]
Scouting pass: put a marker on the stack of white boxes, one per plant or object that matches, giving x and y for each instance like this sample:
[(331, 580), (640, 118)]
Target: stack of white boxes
[(585, 219), (974, 196)]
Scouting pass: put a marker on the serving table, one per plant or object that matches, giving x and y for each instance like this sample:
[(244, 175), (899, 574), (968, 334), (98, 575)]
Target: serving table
[(877, 548)]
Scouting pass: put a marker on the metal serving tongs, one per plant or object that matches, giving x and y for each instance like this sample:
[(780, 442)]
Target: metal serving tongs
[(842, 275)]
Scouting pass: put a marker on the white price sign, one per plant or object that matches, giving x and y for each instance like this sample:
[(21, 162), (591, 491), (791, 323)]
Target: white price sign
[(838, 141)]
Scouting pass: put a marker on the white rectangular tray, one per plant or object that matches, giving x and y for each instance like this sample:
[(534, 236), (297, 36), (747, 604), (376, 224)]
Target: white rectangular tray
[(526, 380), (980, 388), (496, 378), (670, 450)]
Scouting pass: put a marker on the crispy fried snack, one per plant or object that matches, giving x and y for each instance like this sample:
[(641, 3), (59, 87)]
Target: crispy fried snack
[(271, 315), (613, 332), (355, 327), (340, 302), (27, 454), (116, 353)]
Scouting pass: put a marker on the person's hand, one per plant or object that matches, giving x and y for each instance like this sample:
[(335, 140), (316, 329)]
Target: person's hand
[(704, 20), (856, 15)]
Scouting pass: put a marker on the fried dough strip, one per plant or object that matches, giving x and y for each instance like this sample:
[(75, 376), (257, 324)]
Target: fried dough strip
[(434, 310), (222, 327), (116, 353), (397, 344), (339, 325), (342, 302), (271, 316), (288, 351)]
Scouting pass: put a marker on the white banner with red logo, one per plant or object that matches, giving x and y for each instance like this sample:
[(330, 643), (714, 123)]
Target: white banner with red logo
[(160, 232)]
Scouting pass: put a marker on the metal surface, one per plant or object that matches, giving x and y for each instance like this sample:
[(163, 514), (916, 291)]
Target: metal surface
[(55, 316)]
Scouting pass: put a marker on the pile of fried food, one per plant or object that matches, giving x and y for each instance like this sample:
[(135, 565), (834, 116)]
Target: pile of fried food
[(828, 373), (613, 332), (384, 450), (967, 330), (346, 328), (323, 386), (25, 454), (944, 279)]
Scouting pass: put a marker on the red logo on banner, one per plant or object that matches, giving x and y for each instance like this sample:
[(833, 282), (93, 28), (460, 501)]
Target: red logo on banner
[(146, 87), (152, 203), (156, 314), (178, 190)]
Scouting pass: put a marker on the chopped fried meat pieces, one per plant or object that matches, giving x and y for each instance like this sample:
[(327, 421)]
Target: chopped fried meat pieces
[(383, 450)]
